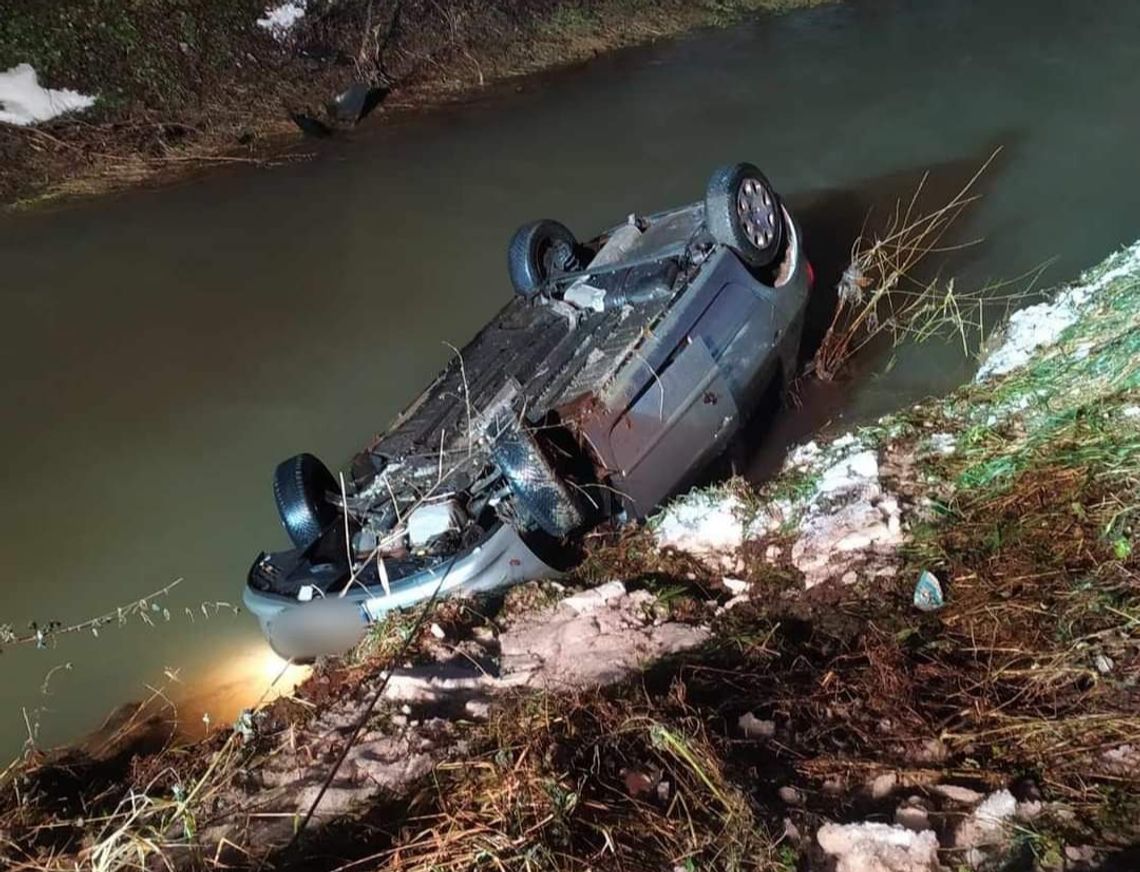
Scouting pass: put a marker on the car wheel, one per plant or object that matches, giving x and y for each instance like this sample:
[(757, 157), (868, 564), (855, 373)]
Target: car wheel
[(300, 487), (743, 212), (540, 494), (538, 252)]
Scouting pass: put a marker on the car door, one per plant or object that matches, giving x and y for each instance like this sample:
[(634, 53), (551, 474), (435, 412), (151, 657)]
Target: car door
[(676, 425)]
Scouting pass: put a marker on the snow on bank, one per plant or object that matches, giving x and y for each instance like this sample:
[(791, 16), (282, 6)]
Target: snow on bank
[(704, 523), (982, 835), (875, 847), (841, 517), (1034, 327), (24, 101), (986, 830), (850, 515), (280, 19), (832, 502)]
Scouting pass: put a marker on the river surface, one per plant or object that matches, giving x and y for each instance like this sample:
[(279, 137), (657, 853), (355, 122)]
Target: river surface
[(163, 349)]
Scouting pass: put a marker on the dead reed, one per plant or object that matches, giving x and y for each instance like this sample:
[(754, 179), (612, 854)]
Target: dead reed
[(882, 292)]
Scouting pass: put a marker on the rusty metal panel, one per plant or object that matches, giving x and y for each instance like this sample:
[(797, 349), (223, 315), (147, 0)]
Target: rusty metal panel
[(680, 421)]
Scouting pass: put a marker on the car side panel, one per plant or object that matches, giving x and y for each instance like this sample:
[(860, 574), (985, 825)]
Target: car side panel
[(674, 427), (706, 381)]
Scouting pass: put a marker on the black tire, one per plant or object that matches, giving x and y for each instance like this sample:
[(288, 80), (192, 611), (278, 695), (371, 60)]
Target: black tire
[(300, 486), (743, 212), (539, 251), (540, 494)]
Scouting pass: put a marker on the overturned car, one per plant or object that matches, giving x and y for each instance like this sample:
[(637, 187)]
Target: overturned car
[(620, 368)]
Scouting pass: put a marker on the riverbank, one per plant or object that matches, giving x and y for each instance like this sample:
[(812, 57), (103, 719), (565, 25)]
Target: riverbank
[(917, 647), (179, 89)]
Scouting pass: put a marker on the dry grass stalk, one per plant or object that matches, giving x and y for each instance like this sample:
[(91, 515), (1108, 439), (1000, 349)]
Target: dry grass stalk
[(584, 782), (880, 293), (41, 636)]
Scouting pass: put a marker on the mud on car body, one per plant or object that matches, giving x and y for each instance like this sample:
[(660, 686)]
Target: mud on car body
[(619, 369)]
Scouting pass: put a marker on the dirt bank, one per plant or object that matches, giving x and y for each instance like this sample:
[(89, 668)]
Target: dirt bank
[(182, 85), (918, 648)]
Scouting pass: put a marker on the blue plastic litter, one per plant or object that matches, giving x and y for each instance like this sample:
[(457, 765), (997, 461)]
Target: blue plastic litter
[(928, 593)]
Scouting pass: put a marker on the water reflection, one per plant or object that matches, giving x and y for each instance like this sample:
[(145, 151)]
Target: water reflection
[(219, 695)]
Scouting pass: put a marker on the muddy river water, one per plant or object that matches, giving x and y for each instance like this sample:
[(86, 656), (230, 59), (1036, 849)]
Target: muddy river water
[(163, 349)]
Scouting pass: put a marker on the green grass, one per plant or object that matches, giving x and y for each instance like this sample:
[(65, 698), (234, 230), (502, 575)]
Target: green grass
[(157, 53), (570, 20)]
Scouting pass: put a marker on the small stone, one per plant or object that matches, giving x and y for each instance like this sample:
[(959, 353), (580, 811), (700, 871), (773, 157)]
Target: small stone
[(850, 577), (1103, 664), (790, 795), (792, 832), (477, 709), (1080, 853), (637, 783), (956, 793), (883, 785), (437, 631), (913, 817), (833, 787), (755, 728), (1027, 811)]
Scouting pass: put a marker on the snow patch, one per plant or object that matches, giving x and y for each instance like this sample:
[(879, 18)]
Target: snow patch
[(279, 20), (735, 586), (848, 513), (985, 831), (593, 599), (856, 471), (803, 455), (943, 443), (703, 524), (875, 847), (1036, 326), (24, 101)]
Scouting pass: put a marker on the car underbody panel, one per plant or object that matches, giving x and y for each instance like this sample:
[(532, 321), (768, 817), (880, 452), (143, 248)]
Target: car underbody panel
[(596, 399)]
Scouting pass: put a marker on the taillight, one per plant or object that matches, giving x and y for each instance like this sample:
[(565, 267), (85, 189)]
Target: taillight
[(811, 273)]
